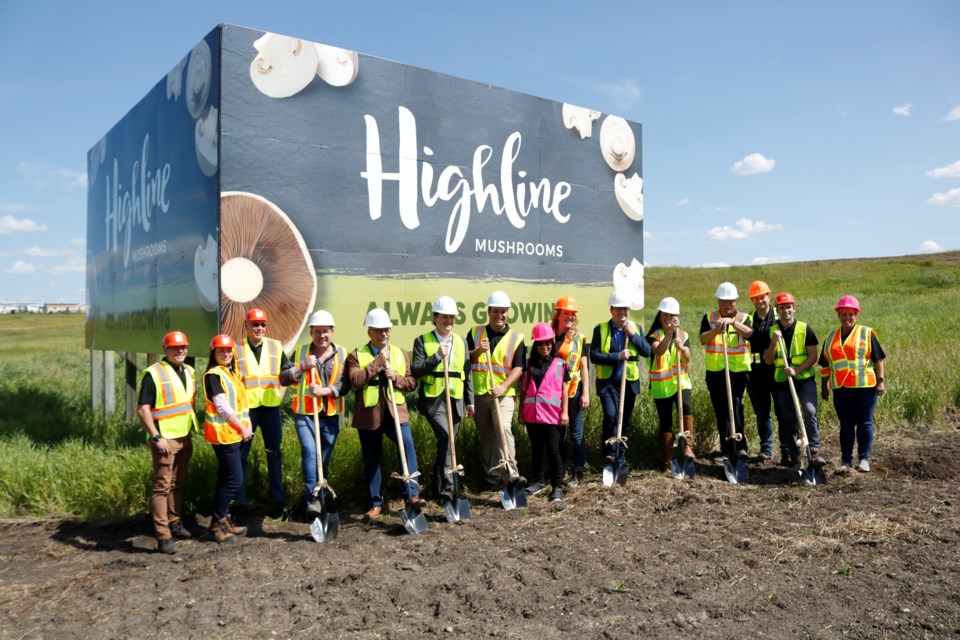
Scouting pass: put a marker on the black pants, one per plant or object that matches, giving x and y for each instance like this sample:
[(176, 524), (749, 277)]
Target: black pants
[(717, 387), (665, 407), (546, 438)]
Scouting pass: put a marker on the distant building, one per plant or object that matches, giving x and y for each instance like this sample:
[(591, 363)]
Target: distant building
[(64, 307)]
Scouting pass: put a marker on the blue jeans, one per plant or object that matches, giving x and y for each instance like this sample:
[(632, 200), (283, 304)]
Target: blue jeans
[(576, 434), (855, 411), (267, 419), (229, 478), (371, 445), (610, 400), (329, 430), (787, 414), (760, 388)]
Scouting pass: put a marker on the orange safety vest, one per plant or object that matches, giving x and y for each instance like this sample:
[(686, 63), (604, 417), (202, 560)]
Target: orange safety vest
[(216, 429), (849, 362), (502, 361), (303, 400), (738, 349), (572, 352)]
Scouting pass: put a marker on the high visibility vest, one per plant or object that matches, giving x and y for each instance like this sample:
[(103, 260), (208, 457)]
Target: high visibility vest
[(216, 429), (632, 367), (302, 398), (173, 411), (432, 384), (849, 360), (502, 361), (261, 378), (738, 349), (544, 404), (798, 353), (572, 351), (663, 369), (371, 392)]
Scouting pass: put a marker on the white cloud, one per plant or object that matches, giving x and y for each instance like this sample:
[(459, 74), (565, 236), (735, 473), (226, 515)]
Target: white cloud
[(929, 246), (624, 93), (949, 171), (752, 164), (713, 265), (771, 259), (954, 113), (75, 264), (41, 174), (681, 202), (949, 199), (37, 252), (9, 224), (903, 110), (20, 268), (742, 229)]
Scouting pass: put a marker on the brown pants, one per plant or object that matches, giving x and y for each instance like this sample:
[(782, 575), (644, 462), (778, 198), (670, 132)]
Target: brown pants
[(485, 419), (169, 476)]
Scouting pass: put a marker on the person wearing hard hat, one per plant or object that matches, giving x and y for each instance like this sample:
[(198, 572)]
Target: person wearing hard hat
[(259, 361), (668, 345), (852, 365), (544, 408), (760, 384), (615, 348), (497, 353), (734, 327), (318, 383), (368, 369), (226, 427), (165, 409), (430, 350), (571, 347), (801, 345)]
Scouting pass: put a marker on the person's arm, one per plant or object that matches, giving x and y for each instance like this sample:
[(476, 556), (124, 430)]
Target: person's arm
[(290, 373), (824, 373), (226, 412), (708, 333), (745, 329), (770, 353), (584, 381), (467, 377), (637, 339), (423, 365), (810, 360), (601, 357), (360, 377), (405, 382)]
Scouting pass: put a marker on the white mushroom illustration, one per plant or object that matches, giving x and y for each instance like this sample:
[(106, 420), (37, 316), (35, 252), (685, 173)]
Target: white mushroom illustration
[(284, 66), (629, 194), (175, 81), (205, 140), (337, 67), (205, 273), (617, 143), (629, 280), (199, 78), (579, 118)]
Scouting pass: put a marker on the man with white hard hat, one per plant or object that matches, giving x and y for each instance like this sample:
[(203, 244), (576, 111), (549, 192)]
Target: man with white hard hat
[(318, 381), (369, 367), (615, 348), (429, 352), (505, 363), (734, 327)]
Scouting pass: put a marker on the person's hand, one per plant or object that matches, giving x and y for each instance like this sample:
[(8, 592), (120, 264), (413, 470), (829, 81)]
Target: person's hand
[(825, 392), (881, 388), (564, 418), (317, 390), (470, 410), (777, 334), (162, 446), (444, 350), (246, 433), (629, 328), (485, 344), (790, 372), (309, 362), (497, 391), (625, 354), (584, 401), (390, 373)]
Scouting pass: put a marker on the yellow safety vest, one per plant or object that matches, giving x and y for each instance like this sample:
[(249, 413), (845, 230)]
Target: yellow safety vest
[(738, 349), (850, 365), (216, 429), (663, 369), (303, 400), (631, 366), (173, 411), (798, 353), (371, 392), (261, 378), (572, 351), (432, 384), (501, 365)]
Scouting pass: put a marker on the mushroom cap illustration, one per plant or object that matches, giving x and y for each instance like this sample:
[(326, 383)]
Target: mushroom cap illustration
[(629, 194), (579, 118), (205, 140), (283, 66), (617, 143), (337, 67), (199, 78)]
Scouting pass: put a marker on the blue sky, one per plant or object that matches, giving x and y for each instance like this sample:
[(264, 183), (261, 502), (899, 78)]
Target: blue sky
[(772, 131)]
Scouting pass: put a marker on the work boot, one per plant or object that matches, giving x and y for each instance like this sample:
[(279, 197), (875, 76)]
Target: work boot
[(535, 488), (179, 531), (784, 459), (795, 463), (815, 459), (167, 546), (234, 528), (557, 494), (688, 444), (666, 451), (220, 530)]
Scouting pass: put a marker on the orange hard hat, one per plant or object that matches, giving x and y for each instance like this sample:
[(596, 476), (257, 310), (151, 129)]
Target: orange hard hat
[(176, 339), (758, 288), (567, 303), (222, 341), (785, 298), (257, 315)]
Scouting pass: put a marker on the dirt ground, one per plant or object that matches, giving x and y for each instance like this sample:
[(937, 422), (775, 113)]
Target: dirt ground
[(868, 556)]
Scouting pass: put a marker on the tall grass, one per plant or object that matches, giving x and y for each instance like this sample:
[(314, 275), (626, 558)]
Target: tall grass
[(58, 456)]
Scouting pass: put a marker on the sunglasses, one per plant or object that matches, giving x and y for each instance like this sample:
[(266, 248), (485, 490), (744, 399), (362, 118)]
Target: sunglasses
[(258, 324)]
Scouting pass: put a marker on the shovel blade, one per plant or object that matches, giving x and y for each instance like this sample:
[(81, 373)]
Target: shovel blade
[(463, 509), (736, 471), (609, 475), (683, 468), (450, 512), (413, 520), (622, 474), (324, 528), (512, 496), (813, 476)]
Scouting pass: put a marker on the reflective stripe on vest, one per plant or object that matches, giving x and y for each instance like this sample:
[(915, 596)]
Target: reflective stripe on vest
[(432, 383), (632, 366), (173, 405), (572, 351), (302, 399), (261, 378), (850, 364), (738, 349), (371, 392), (544, 405), (798, 353), (502, 361), (216, 429), (663, 369)]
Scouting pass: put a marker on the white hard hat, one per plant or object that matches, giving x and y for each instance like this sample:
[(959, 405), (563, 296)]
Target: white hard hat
[(499, 299), (669, 305), (377, 319), (321, 318), (619, 299), (445, 305), (726, 291)]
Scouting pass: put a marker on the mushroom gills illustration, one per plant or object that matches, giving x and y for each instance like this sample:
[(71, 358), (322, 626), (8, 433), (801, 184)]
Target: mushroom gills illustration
[(629, 280), (629, 194), (579, 118)]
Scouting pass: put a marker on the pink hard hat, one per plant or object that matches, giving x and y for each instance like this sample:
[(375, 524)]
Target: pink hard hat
[(848, 302), (542, 332)]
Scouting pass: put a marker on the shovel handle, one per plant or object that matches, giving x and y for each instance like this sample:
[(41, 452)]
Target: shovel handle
[(510, 462), (726, 375), (679, 384), (793, 393), (450, 431)]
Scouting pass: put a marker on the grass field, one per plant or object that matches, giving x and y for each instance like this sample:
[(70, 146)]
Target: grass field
[(59, 457)]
